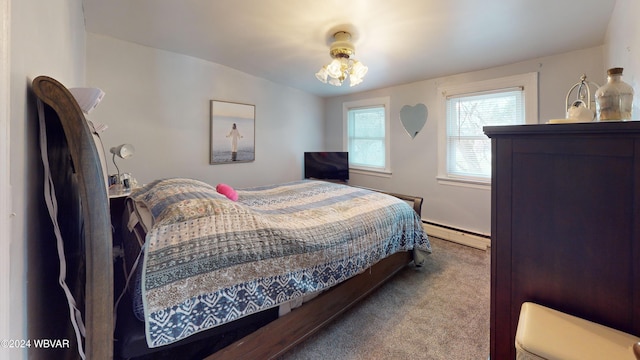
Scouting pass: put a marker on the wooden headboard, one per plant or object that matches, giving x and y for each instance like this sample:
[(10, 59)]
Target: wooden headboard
[(83, 180)]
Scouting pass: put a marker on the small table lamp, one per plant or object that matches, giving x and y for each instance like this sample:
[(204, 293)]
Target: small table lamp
[(123, 151)]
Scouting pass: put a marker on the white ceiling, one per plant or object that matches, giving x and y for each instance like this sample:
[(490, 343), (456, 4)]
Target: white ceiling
[(401, 41)]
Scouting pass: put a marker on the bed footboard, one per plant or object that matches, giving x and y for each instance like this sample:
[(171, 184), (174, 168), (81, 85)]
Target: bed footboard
[(416, 201)]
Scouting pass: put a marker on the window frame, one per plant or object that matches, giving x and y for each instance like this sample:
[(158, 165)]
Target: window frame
[(528, 82), (369, 103)]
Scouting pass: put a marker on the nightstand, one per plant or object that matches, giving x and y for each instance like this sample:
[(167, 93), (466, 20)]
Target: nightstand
[(117, 206)]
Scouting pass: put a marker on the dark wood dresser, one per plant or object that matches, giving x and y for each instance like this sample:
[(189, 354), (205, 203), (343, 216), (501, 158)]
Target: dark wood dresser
[(565, 224)]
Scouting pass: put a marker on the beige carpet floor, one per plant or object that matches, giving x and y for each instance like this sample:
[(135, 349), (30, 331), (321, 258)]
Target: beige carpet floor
[(440, 311)]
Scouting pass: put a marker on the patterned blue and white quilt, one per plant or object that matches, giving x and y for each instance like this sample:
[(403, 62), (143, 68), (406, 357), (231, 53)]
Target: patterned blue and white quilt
[(209, 260)]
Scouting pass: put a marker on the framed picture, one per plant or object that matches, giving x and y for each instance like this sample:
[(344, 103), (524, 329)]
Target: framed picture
[(232, 132)]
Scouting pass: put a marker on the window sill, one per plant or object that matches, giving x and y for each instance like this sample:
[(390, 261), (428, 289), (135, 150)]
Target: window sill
[(471, 183)]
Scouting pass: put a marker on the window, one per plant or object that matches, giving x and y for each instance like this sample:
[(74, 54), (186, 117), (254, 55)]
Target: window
[(366, 129), (465, 149)]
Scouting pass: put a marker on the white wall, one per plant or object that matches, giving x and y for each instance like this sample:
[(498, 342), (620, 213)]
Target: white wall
[(414, 162), (159, 102), (5, 166), (622, 46), (47, 38)]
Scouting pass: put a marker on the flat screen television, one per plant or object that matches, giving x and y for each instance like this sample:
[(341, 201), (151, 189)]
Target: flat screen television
[(326, 165)]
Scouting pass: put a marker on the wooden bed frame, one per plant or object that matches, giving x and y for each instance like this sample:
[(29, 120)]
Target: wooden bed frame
[(69, 134)]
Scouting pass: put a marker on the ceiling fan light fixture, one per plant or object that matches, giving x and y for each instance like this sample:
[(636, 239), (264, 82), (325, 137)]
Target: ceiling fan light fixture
[(342, 65), (322, 74), (357, 74), (335, 81), (334, 69)]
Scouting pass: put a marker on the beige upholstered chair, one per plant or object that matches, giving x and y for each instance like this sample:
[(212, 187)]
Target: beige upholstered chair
[(547, 334)]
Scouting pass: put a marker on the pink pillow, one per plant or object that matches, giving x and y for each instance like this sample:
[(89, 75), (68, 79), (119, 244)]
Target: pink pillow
[(227, 191)]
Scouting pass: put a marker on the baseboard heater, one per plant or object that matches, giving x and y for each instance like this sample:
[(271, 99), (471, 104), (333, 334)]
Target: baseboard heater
[(463, 237)]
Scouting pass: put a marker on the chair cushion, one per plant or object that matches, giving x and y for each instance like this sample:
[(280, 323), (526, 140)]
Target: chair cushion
[(547, 334)]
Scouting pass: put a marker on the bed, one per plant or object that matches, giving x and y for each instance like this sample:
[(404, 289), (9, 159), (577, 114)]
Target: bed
[(285, 241)]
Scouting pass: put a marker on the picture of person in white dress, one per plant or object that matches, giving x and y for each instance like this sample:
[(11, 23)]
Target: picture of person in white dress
[(234, 134), (232, 124)]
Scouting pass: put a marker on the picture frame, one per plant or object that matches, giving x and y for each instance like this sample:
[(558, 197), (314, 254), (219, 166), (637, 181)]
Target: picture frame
[(232, 132)]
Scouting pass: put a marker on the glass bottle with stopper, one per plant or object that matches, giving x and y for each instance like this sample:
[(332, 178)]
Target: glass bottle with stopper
[(614, 100)]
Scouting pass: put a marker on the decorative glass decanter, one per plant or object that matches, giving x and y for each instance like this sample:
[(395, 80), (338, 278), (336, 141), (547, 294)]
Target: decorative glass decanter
[(614, 99)]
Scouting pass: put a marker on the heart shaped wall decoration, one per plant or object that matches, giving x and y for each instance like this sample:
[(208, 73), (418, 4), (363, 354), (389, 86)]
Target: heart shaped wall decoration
[(413, 118)]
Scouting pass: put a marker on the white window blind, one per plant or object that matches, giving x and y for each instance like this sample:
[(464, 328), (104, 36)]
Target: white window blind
[(366, 128), (468, 148)]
